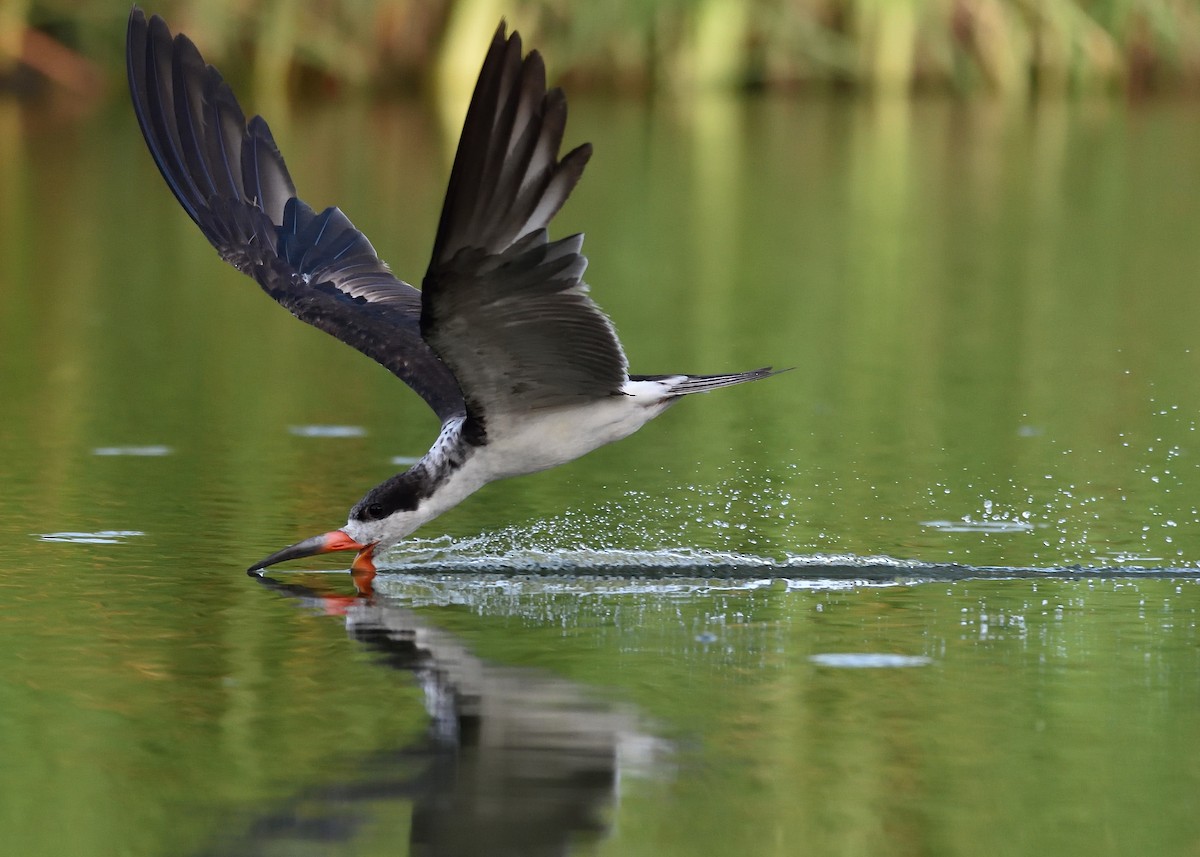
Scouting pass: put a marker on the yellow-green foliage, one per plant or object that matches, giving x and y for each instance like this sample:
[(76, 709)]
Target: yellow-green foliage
[(1010, 47)]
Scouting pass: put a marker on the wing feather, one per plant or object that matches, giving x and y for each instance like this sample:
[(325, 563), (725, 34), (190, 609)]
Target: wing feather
[(506, 309), (230, 178)]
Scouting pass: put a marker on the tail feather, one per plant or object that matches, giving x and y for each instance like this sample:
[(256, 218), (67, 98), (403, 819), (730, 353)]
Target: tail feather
[(683, 385)]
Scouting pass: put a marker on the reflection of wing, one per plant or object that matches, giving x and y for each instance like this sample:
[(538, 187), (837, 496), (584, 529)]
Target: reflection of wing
[(230, 178), (503, 307)]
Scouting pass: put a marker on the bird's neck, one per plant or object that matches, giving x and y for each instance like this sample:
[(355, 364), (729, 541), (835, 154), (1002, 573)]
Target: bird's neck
[(444, 475)]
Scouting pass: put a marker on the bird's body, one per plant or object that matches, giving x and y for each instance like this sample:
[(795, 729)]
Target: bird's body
[(502, 340), (539, 440), (455, 467)]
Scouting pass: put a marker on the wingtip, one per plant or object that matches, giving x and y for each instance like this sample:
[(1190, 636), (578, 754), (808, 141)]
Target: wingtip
[(503, 37), (135, 29), (579, 156)]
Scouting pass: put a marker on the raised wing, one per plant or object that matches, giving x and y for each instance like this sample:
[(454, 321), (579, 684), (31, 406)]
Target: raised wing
[(229, 177), (505, 308)]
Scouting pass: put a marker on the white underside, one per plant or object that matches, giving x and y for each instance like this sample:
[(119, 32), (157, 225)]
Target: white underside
[(526, 443), (537, 440)]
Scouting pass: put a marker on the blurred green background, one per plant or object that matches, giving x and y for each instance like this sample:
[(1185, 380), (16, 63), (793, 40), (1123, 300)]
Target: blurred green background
[(990, 298), (1014, 48)]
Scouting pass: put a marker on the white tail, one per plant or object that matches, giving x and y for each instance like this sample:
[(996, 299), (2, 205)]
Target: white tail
[(703, 383)]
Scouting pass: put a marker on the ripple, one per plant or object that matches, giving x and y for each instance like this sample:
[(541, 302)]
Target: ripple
[(868, 660), (101, 537), (148, 451), (327, 431), (966, 525), (1122, 557)]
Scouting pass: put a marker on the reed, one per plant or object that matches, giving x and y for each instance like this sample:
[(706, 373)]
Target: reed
[(1011, 48)]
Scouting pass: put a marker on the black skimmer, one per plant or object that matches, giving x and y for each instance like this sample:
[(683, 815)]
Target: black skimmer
[(502, 341)]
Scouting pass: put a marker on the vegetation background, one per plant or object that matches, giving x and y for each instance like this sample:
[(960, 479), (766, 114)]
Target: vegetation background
[(1011, 48)]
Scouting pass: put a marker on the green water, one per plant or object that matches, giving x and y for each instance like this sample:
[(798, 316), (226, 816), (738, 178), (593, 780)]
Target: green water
[(769, 623)]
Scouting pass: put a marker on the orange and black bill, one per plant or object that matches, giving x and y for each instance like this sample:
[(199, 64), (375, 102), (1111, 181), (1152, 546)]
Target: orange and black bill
[(337, 540)]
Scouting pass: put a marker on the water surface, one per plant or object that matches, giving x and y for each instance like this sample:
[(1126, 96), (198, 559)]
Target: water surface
[(933, 592)]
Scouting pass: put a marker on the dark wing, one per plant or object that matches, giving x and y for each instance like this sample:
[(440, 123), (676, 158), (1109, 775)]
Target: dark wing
[(505, 308), (230, 178)]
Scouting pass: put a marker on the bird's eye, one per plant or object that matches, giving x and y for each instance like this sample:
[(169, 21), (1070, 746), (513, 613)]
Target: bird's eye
[(375, 511)]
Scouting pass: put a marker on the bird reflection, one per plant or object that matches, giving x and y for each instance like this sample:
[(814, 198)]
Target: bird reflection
[(515, 762)]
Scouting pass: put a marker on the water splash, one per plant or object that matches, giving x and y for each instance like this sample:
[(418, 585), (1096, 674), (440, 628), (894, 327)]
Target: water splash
[(505, 552), (751, 522), (487, 592)]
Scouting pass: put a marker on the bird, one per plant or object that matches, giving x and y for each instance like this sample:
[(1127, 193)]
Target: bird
[(502, 340)]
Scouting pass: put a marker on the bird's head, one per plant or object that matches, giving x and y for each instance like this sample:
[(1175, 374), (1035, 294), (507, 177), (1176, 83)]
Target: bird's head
[(387, 514)]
